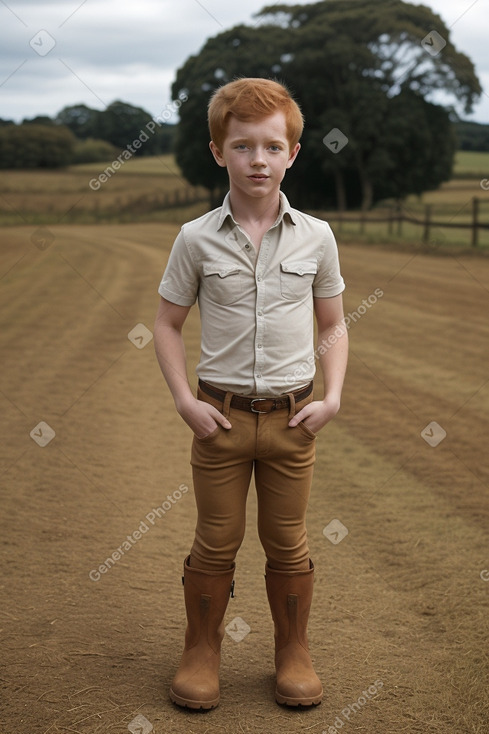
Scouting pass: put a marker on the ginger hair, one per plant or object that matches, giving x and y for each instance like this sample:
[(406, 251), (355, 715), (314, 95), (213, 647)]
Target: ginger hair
[(251, 99)]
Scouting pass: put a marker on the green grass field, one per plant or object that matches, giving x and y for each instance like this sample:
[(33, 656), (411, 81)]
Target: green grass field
[(143, 189), (469, 163)]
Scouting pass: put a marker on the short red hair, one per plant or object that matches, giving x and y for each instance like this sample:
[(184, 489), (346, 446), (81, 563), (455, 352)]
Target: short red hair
[(253, 99)]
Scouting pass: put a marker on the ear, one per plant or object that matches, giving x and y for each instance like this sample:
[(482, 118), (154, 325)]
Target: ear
[(218, 156), (293, 154)]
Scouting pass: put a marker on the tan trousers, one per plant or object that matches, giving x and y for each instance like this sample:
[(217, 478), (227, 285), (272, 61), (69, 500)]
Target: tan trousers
[(222, 463)]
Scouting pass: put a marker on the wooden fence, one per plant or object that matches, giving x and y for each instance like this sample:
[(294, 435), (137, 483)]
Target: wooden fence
[(396, 216), (164, 200)]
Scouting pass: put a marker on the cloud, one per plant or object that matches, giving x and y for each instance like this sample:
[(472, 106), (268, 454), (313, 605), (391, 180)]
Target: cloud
[(113, 50), (117, 49)]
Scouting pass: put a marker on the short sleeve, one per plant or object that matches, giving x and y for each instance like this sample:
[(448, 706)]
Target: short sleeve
[(328, 281), (180, 281)]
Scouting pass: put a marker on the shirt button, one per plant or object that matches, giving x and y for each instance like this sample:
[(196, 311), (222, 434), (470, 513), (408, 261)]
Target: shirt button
[(247, 247), (260, 346), (259, 278), (260, 313), (258, 377)]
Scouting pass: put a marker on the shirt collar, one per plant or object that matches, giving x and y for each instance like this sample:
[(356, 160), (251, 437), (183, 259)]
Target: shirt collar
[(285, 209)]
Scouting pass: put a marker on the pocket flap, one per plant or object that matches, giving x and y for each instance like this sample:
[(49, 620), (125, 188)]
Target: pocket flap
[(299, 267), (222, 269)]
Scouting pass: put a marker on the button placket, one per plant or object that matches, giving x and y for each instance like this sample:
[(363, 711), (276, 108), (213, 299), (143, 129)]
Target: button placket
[(261, 264)]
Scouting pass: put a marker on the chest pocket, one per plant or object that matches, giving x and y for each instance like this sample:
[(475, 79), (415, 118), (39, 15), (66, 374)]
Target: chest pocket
[(296, 278), (222, 282)]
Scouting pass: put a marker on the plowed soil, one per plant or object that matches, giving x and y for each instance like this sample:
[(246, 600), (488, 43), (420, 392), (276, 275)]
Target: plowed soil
[(401, 606)]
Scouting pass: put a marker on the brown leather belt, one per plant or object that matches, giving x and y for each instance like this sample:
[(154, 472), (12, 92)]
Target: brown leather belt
[(256, 405)]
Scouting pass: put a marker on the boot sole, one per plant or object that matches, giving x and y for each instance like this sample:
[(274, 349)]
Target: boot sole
[(189, 703), (288, 701)]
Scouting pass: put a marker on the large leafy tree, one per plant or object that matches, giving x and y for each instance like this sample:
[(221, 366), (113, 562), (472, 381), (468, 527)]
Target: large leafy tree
[(242, 51), (357, 65), (120, 123), (80, 119)]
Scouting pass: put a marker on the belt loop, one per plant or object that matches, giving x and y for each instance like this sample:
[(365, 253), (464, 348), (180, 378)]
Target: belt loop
[(291, 397), (226, 405)]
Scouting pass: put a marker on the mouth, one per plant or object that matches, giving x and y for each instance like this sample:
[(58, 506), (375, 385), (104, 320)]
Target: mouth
[(258, 177)]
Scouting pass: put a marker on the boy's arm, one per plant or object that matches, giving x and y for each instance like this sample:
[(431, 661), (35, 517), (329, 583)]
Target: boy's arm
[(170, 352), (333, 357)]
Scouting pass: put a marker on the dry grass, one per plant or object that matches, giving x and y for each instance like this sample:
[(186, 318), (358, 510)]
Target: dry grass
[(133, 193), (142, 189), (450, 204)]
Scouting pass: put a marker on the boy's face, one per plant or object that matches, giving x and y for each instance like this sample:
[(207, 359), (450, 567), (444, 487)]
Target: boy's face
[(256, 154)]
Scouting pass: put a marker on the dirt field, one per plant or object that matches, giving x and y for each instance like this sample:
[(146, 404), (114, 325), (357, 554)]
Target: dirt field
[(401, 609)]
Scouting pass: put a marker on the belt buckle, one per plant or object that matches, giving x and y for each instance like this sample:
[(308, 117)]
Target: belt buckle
[(256, 400)]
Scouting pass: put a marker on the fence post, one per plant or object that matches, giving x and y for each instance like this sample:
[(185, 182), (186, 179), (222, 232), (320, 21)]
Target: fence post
[(340, 220), (475, 221), (362, 222), (399, 220), (427, 218)]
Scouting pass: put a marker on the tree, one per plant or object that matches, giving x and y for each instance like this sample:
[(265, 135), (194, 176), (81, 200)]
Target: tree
[(119, 124), (231, 54), (421, 132), (472, 135), (357, 65), (35, 146), (80, 119), (80, 134), (122, 123), (38, 120), (93, 151)]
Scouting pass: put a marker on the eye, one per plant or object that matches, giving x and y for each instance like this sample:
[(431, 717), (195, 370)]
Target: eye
[(275, 148)]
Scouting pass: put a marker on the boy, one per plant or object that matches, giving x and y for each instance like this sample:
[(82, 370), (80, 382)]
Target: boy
[(258, 269)]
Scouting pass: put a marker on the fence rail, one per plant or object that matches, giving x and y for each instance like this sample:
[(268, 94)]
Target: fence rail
[(394, 219), (398, 216)]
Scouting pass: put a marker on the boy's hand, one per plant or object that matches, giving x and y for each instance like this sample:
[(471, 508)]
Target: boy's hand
[(315, 415), (202, 417)]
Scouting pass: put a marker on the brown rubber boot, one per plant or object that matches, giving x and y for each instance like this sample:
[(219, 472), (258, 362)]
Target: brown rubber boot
[(196, 682), (290, 595)]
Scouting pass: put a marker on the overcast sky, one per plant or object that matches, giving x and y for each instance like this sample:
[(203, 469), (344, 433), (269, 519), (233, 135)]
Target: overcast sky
[(64, 52)]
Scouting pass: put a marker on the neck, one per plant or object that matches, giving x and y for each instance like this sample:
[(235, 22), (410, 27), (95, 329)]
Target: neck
[(254, 209)]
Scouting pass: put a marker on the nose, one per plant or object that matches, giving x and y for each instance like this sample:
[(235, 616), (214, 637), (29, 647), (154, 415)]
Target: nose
[(258, 157)]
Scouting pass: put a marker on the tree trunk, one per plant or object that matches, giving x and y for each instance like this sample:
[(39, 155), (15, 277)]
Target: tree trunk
[(340, 190), (367, 189)]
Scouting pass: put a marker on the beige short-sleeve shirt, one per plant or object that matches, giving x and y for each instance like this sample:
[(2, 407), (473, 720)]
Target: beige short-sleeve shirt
[(256, 308)]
